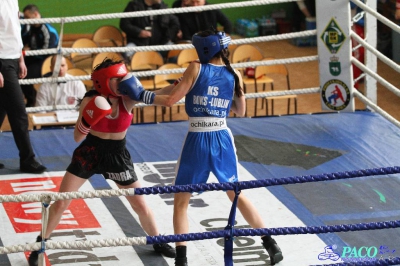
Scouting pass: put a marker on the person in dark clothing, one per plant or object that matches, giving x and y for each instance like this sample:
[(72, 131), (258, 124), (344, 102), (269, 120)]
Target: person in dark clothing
[(35, 37), (151, 30), (194, 22), (303, 10), (181, 3), (12, 68)]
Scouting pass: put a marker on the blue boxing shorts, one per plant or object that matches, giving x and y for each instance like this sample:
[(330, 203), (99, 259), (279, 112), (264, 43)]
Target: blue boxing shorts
[(208, 147)]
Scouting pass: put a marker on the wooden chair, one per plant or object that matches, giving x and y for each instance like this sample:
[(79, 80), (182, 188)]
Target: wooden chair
[(231, 49), (146, 60), (171, 54), (264, 80), (46, 65), (80, 72), (83, 60), (99, 58), (142, 61), (108, 36), (264, 73), (245, 53), (163, 80), (186, 56)]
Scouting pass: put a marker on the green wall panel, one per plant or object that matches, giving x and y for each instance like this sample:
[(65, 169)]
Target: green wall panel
[(60, 8)]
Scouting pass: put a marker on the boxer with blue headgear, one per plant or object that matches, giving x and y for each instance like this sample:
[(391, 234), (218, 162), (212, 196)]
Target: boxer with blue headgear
[(212, 89)]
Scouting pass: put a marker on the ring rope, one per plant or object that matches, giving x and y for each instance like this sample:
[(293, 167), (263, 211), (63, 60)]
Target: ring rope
[(381, 80), (375, 262), (376, 108), (154, 12), (381, 18), (204, 186), (149, 240), (68, 50), (378, 54), (69, 195), (292, 60)]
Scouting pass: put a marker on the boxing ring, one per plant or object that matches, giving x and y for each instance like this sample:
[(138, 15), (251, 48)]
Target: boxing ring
[(322, 185)]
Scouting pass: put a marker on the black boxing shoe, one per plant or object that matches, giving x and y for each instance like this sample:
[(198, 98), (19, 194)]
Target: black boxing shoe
[(34, 256), (165, 249), (181, 261), (274, 252), (32, 167)]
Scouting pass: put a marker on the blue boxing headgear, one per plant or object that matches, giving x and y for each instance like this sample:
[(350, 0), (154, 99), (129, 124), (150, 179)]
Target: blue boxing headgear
[(208, 47)]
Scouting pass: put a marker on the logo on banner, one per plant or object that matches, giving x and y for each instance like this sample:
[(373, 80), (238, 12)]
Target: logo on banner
[(333, 36), (335, 94), (356, 254), (26, 216), (334, 66)]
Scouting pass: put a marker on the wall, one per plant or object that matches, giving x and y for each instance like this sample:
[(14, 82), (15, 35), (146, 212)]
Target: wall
[(60, 8)]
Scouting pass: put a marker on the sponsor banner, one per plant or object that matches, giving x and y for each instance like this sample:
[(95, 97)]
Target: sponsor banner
[(87, 219), (334, 52)]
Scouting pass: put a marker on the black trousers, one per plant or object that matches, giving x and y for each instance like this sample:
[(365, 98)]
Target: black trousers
[(34, 66), (12, 104)]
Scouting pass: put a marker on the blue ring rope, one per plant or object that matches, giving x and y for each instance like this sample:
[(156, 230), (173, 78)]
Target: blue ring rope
[(267, 182)]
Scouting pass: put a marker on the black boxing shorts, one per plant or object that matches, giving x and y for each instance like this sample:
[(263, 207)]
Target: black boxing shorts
[(109, 158)]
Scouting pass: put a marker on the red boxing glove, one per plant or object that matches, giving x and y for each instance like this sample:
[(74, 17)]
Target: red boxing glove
[(97, 108)]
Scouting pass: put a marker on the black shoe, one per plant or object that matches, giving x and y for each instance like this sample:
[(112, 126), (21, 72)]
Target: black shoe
[(165, 249), (32, 167), (274, 252), (1, 166), (181, 261), (34, 256)]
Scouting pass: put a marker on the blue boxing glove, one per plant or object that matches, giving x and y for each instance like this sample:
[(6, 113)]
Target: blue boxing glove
[(132, 87)]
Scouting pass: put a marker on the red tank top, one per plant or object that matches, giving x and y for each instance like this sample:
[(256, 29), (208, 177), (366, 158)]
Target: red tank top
[(116, 124)]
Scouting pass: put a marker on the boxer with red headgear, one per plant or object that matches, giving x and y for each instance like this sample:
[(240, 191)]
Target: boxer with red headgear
[(104, 118)]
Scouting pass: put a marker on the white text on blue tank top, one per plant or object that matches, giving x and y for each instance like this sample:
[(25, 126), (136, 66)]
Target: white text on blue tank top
[(214, 102), (123, 176)]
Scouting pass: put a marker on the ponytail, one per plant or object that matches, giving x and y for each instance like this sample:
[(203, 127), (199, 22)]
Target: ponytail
[(224, 55)]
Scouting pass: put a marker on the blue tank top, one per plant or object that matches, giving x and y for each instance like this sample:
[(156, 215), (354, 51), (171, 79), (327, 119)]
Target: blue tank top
[(212, 92)]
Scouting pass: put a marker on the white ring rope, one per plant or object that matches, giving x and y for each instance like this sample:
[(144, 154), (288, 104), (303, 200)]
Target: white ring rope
[(67, 195), (115, 242), (376, 108), (381, 18), (67, 50), (154, 12), (376, 76), (378, 54), (180, 70)]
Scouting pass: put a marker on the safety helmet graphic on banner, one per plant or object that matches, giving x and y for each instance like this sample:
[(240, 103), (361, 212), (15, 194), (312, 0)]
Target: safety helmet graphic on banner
[(101, 78), (208, 47)]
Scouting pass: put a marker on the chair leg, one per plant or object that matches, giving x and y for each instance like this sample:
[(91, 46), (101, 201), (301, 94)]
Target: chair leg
[(170, 114), (262, 101), (272, 106), (288, 106), (266, 106), (256, 101), (141, 115), (295, 106)]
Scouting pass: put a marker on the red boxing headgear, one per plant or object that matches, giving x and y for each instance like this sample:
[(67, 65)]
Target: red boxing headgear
[(101, 78)]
